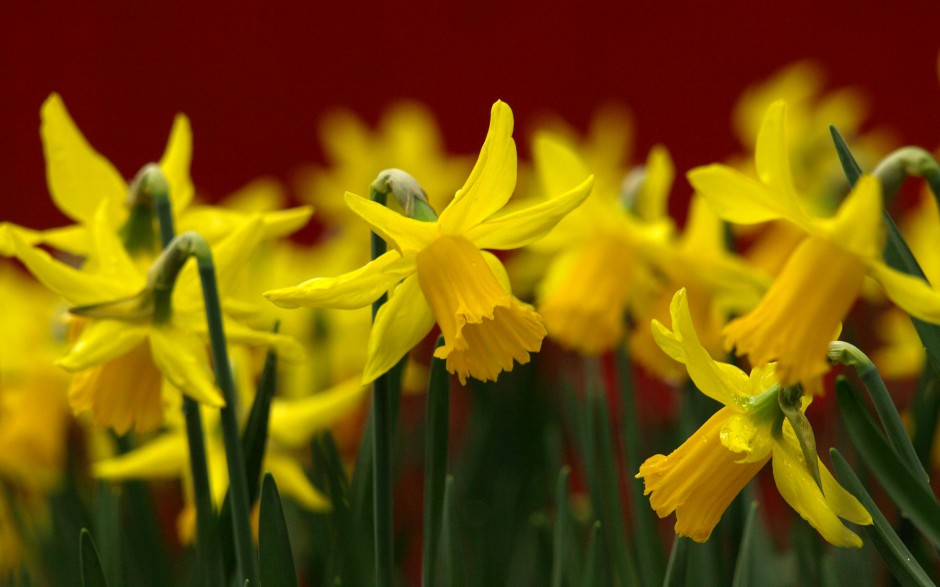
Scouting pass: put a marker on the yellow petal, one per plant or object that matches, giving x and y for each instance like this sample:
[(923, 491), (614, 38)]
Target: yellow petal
[(109, 257), (102, 341), (184, 360), (771, 155), (292, 481), (492, 179), (403, 233), (857, 226), (280, 223), (912, 294), (348, 291), (27, 236), (400, 324), (293, 423), (559, 167), (79, 178), (518, 229), (720, 381), (77, 287), (175, 164), (799, 490), (652, 202), (286, 346), (739, 199), (162, 458)]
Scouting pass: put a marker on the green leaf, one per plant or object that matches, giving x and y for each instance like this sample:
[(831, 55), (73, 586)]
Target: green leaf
[(108, 529), (592, 568), (451, 554), (926, 411), (895, 554), (562, 528), (678, 562), (916, 503), (435, 464), (743, 567), (897, 254), (277, 562), (92, 574), (649, 548)]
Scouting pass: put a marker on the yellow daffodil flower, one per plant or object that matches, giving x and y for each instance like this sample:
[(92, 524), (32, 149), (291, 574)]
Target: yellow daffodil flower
[(81, 181), (125, 344), (699, 479), (444, 273), (291, 426), (600, 249), (719, 284), (817, 286)]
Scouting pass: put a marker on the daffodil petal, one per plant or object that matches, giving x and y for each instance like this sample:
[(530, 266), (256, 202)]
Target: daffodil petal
[(350, 290), (292, 481), (518, 229), (102, 341), (27, 236), (498, 269), (161, 458), (559, 166), (286, 346), (280, 223), (184, 360), (652, 202), (176, 161), (492, 179), (109, 257), (799, 490), (79, 178), (912, 294), (720, 381), (77, 287), (843, 503), (228, 257), (771, 156), (739, 199), (294, 422), (403, 233), (74, 239), (857, 225), (400, 324)]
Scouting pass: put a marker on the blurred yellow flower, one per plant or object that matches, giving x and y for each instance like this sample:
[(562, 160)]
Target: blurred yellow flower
[(699, 479), (820, 281), (444, 274)]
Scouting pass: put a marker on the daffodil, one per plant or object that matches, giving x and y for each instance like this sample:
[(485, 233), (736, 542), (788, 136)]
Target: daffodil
[(123, 351), (719, 284), (443, 275), (600, 250), (699, 479), (81, 181), (291, 426), (802, 310)]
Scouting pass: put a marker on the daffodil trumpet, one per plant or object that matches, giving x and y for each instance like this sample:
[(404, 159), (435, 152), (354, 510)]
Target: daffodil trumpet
[(844, 353)]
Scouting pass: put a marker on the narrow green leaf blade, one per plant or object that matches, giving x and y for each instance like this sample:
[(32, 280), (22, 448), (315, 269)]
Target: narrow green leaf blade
[(908, 493), (743, 567), (561, 529), (895, 554), (92, 573), (277, 562), (678, 563), (435, 466), (592, 567)]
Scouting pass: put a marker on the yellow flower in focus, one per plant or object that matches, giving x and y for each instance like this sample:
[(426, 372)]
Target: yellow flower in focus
[(600, 250), (820, 281), (445, 275), (699, 479), (121, 342)]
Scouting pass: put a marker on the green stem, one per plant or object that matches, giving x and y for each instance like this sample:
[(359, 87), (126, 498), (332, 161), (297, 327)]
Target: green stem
[(435, 463), (851, 356), (208, 552), (381, 441), (238, 482)]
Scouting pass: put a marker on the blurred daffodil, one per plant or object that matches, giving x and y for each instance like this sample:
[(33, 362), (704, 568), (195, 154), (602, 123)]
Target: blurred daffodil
[(444, 274), (124, 350), (600, 249), (820, 281), (699, 479)]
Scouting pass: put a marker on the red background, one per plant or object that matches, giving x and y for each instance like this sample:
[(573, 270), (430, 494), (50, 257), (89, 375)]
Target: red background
[(255, 80)]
